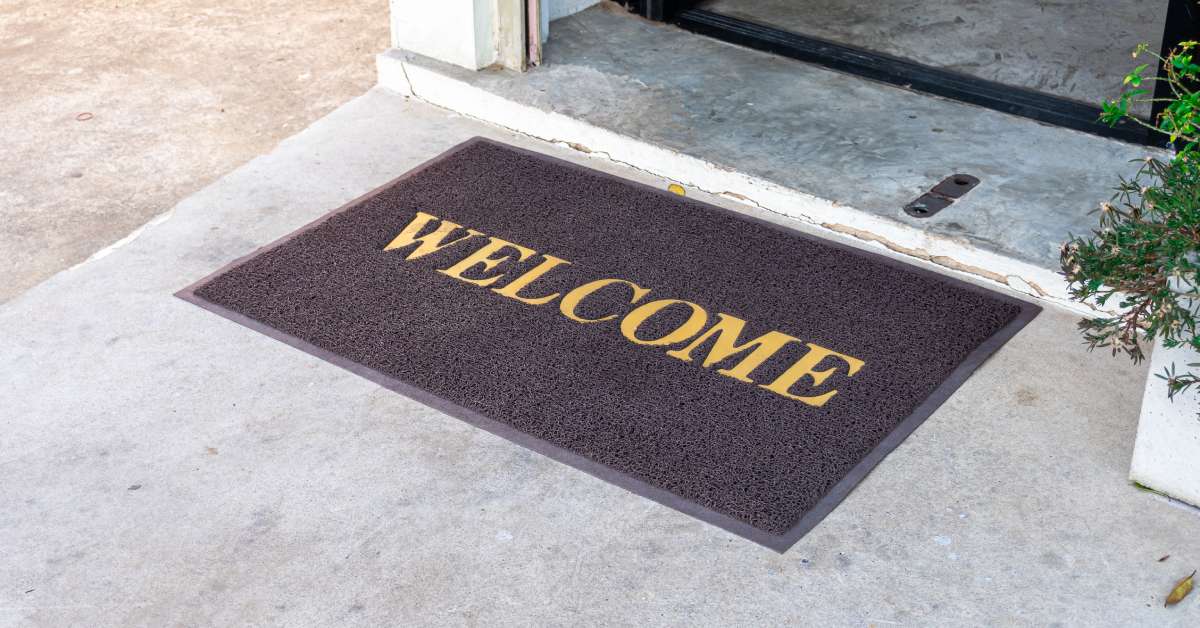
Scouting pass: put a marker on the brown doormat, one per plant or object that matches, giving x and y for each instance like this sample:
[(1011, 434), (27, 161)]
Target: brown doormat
[(735, 370)]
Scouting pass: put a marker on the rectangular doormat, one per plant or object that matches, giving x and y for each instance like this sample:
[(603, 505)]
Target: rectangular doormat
[(738, 371)]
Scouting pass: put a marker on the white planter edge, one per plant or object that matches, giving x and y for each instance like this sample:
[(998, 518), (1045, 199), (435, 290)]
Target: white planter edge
[(1166, 454)]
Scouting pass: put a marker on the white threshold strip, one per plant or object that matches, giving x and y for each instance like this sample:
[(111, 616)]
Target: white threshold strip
[(399, 74)]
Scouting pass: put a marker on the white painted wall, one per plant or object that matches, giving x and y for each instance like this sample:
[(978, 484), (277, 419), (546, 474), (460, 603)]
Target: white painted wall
[(461, 32), (467, 33)]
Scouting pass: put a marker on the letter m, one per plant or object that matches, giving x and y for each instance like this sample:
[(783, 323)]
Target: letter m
[(430, 242), (727, 329)]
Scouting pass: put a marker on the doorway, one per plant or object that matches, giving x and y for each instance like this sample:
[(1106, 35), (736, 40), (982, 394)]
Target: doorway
[(1054, 61)]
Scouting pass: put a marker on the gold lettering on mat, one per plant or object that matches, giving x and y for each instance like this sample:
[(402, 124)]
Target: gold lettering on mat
[(484, 266)]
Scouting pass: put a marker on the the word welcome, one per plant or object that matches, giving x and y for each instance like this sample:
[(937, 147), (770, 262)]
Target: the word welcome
[(724, 333)]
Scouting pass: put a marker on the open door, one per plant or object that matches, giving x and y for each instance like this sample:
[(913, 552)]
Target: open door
[(1052, 62)]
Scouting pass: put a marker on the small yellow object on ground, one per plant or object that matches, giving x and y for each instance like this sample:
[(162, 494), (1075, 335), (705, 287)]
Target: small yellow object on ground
[(677, 189), (1182, 588)]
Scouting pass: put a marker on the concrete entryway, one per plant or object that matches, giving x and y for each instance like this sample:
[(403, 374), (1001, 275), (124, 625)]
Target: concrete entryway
[(824, 147)]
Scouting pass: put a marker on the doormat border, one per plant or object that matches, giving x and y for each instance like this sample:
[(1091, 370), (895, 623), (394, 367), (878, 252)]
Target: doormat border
[(780, 543)]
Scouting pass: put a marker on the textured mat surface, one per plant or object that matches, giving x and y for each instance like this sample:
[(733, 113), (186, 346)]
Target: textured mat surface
[(735, 370)]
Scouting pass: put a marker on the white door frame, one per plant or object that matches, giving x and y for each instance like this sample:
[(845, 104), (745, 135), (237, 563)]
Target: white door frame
[(476, 34)]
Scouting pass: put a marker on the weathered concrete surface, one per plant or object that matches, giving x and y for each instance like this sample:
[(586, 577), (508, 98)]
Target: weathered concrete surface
[(1078, 49), (870, 146), (164, 466), (180, 93)]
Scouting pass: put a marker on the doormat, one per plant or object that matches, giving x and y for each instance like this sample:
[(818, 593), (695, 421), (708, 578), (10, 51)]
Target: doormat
[(733, 369)]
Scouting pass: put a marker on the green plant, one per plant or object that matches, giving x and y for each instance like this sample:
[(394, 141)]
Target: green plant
[(1180, 119), (1145, 256)]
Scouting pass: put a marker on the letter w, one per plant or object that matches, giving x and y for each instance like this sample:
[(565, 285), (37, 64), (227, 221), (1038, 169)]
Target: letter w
[(431, 242), (727, 330)]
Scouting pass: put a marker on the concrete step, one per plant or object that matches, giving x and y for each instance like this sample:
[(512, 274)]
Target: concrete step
[(839, 152)]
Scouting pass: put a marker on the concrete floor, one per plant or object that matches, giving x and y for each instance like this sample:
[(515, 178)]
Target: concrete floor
[(180, 92), (1078, 49), (164, 466), (866, 145)]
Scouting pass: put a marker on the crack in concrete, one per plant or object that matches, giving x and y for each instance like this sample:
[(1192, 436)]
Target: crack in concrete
[(941, 260), (1012, 282), (859, 234)]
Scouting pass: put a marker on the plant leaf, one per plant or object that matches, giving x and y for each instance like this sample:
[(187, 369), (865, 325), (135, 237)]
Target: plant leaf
[(1182, 588)]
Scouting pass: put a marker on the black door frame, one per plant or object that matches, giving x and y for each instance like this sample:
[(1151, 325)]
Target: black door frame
[(1182, 24)]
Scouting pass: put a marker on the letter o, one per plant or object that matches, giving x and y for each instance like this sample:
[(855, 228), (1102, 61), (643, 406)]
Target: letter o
[(691, 327), (571, 300)]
